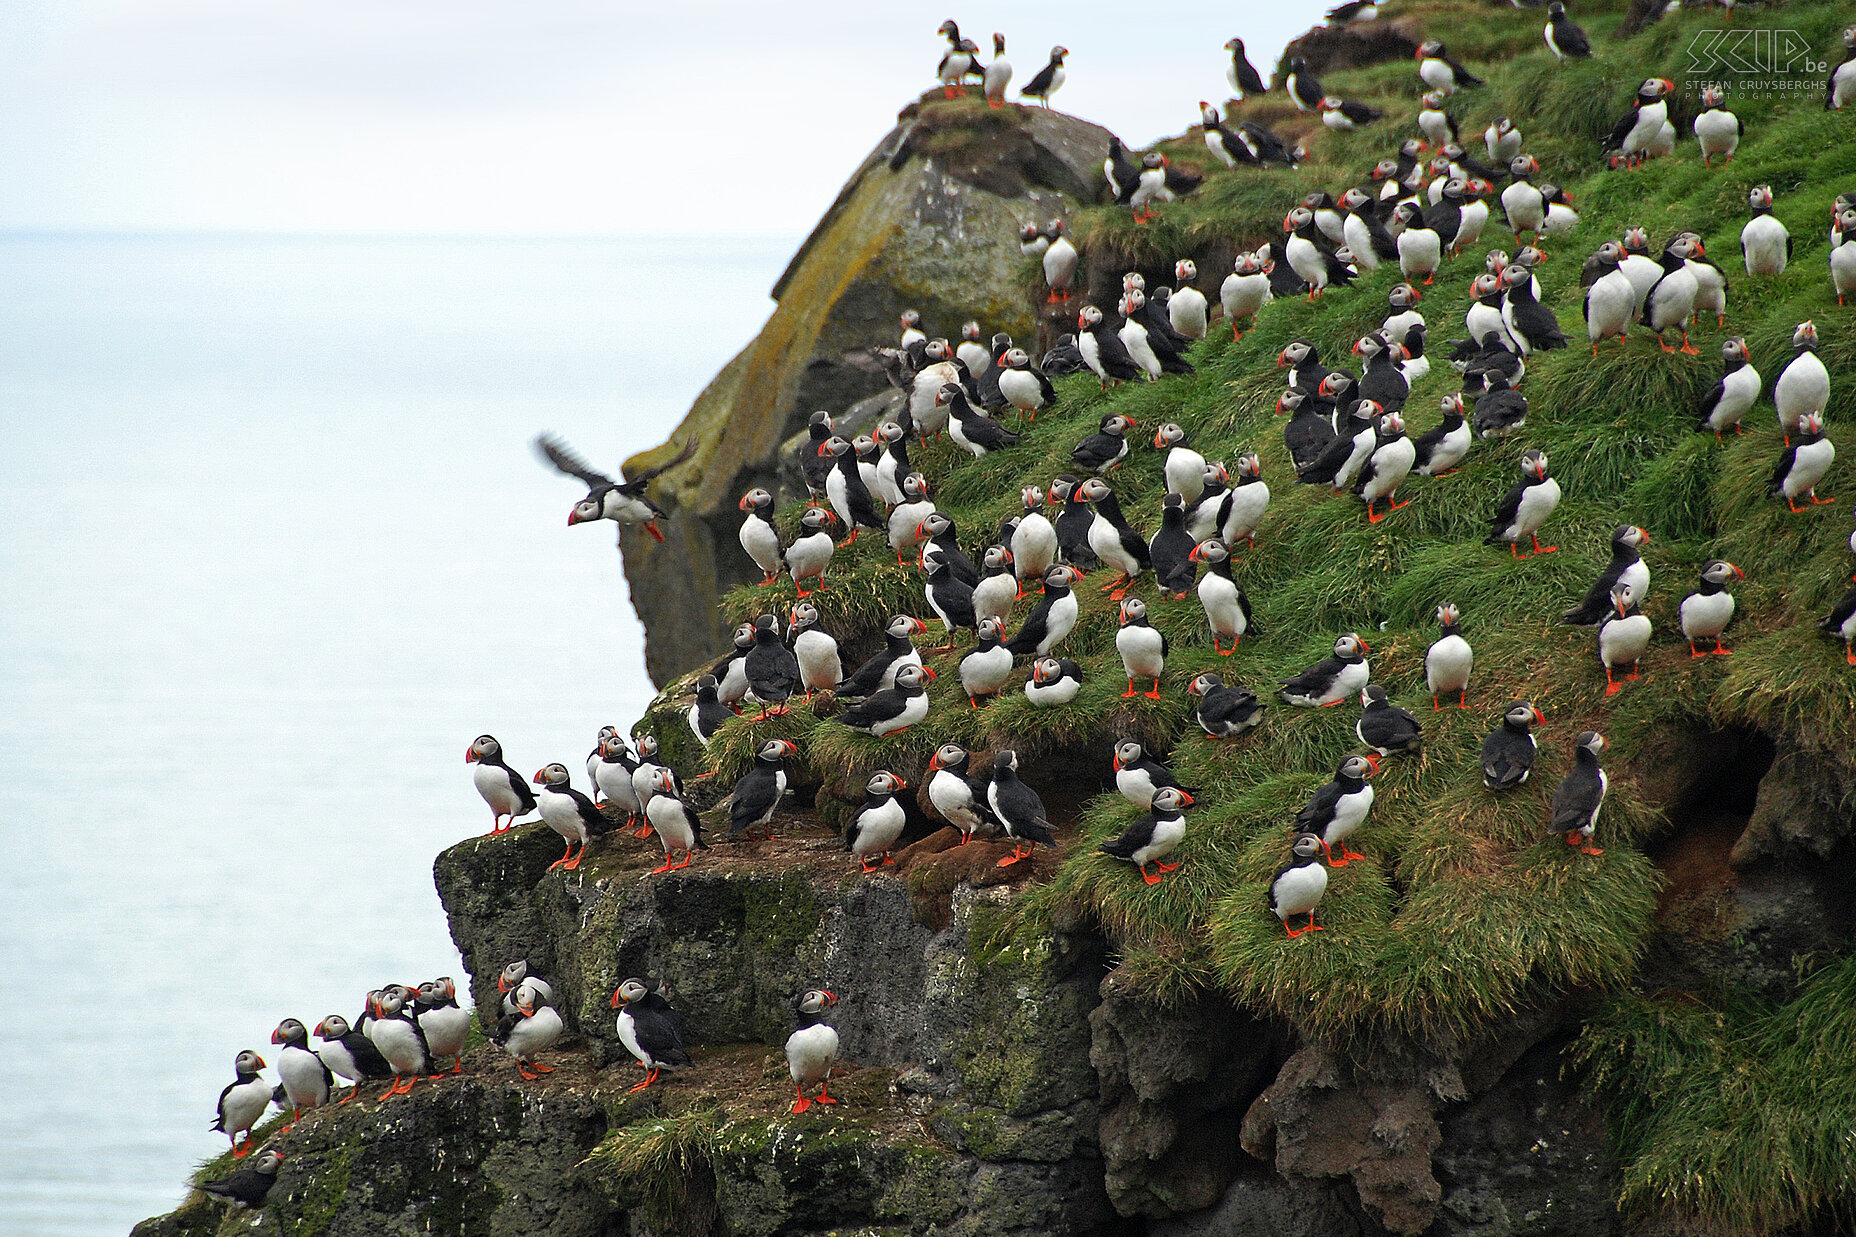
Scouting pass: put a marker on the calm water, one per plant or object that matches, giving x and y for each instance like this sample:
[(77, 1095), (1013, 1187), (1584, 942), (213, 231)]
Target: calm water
[(272, 550)]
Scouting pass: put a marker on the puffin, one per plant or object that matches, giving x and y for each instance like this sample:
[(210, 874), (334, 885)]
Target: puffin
[(1420, 247), (1309, 255), (1122, 176), (1244, 292), (307, 1081), (1438, 126), (1347, 115), (1623, 637), (644, 778), (243, 1102), (894, 708), (812, 1048), (893, 464), (758, 794), (814, 649), (1143, 647), (1339, 467), (849, 496), (730, 673), (985, 669), (1500, 409), (1308, 435), (1718, 132), (998, 74), (1017, 807), (772, 670), (514, 977), (1053, 681), (1840, 88), (1386, 468), (1502, 139), (650, 1030), (444, 1023), (1729, 399), (247, 1187), (1303, 88), (1564, 39), (1074, 519), (1225, 145), (678, 826), (1250, 499), (1508, 750), (1154, 351), (623, 502), (1034, 542), (1580, 795), (1338, 809), (1227, 608), (1708, 611), (1114, 543), (706, 715), (1638, 266), (1224, 712), (972, 430), (869, 453), (879, 673), (1303, 361), (1059, 263), (1484, 317), (501, 786), (1137, 775), (1154, 836), (758, 536), (1626, 565), (1104, 450), (1840, 623), (912, 333), (1242, 76), (1332, 679), (875, 829), (1186, 307), (1448, 661), (1103, 348), (1803, 465), (950, 598), (1031, 241), (1364, 232), (1522, 201), (1843, 256), (1299, 885), (567, 812), (1530, 324), (1401, 312), (907, 516), (1440, 449), (960, 59), (1052, 619), (1439, 71), (1526, 508), (1023, 385), (1048, 79), (399, 1038), (349, 1054), (1710, 280), (595, 757), (960, 801), (1803, 386), (1385, 727), (1171, 550), (1638, 131), (1185, 468), (998, 587), (1611, 299)]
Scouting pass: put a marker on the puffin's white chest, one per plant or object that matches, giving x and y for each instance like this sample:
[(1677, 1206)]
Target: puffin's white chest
[(1622, 641), (1169, 831), (399, 1043), (1349, 814), (303, 1078), (953, 798), (1447, 664), (819, 667), (492, 782), (810, 1052), (562, 814), (1299, 890), (536, 1033), (1537, 503), (667, 816), (1706, 614), (878, 828), (1223, 614), (1034, 546), (1141, 652)]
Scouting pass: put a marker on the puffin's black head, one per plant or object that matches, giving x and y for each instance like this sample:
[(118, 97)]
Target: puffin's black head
[(290, 1032), (1298, 65), (939, 349), (1521, 715), (1590, 741), (1128, 752), (1208, 115), (1373, 694), (867, 448), (1408, 213), (883, 783), (835, 446), (744, 633), (820, 424), (766, 627), (1088, 318), (483, 747), (1655, 88), (1005, 761), (1235, 45), (605, 732), (1361, 767), (646, 744), (553, 776), (1366, 411), (630, 992), (1299, 217), (818, 1000), (950, 29), (949, 392), (935, 525), (1058, 53), (1630, 535), (664, 782), (1170, 799), (948, 756), (756, 499), (1204, 684), (333, 1027), (1720, 571), (816, 520), (1060, 487), (1094, 490), (704, 684), (1504, 126), (775, 750)]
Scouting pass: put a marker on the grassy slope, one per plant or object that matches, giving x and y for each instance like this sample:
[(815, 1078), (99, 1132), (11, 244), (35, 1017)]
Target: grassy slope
[(1465, 910)]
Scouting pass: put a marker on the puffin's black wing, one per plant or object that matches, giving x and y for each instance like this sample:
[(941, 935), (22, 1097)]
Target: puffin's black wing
[(219, 1109), (366, 1057), (755, 794), (689, 449), (1572, 41), (562, 457), (1040, 84), (1505, 514), (1505, 758), (1318, 811), (246, 1185), (660, 1031), (868, 675), (1317, 678), (1777, 484), (1463, 76), (880, 706), (1621, 130), (1137, 835), (1833, 622)]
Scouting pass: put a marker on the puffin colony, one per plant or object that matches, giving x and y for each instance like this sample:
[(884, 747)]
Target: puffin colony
[(1420, 207)]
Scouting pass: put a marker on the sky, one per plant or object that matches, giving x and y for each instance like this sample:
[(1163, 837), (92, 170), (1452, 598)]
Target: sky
[(550, 117)]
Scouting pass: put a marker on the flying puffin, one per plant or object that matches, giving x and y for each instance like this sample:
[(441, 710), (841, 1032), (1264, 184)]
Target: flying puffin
[(998, 74), (1332, 679), (906, 517), (1623, 636), (567, 812), (1525, 508), (1227, 608), (1626, 565), (1804, 464), (1137, 775), (998, 587), (1059, 262), (1052, 619), (812, 1048), (444, 1023), (706, 715), (1803, 386), (954, 795), (650, 1030), (501, 786), (1439, 71), (1304, 90), (772, 670), (243, 1102), (349, 1054), (399, 1038), (1299, 885), (879, 673), (1048, 80), (1564, 39), (678, 826), (1576, 802), (878, 824), (814, 649), (1385, 727), (247, 1187), (894, 708), (985, 669), (950, 598), (1708, 611), (1105, 449), (1143, 648), (1718, 131), (1448, 661), (1023, 385), (1053, 681), (1224, 712), (1508, 750), (1017, 807), (306, 1079), (1440, 449), (1338, 809), (758, 536), (1243, 78), (623, 502), (1154, 836), (757, 795)]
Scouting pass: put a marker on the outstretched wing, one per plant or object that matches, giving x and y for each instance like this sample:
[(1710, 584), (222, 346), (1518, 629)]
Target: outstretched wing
[(689, 449), (562, 457)]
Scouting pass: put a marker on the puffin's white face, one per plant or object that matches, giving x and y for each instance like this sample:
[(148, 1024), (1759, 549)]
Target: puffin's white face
[(1133, 610), (1521, 714), (1306, 846), (1046, 670), (817, 1001), (1204, 683), (268, 1162), (991, 628), (1211, 550), (483, 747), (664, 782), (630, 992), (647, 746), (1447, 614), (333, 1027), (1720, 571), (883, 782), (778, 749), (1591, 741), (1127, 752), (903, 625), (553, 776), (585, 511), (947, 756), (1170, 799), (1061, 576), (1350, 645), (1356, 766)]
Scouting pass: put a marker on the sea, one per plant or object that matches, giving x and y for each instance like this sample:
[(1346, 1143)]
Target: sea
[(274, 548)]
